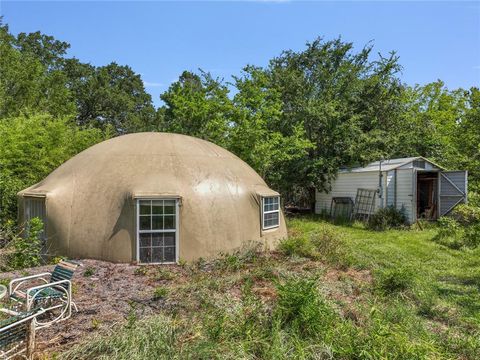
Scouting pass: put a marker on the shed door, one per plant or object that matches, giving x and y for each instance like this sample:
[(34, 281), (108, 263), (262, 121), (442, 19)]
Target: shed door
[(453, 190)]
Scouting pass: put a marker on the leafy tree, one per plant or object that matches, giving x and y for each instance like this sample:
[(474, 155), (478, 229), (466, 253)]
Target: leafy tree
[(198, 105), (49, 51), (31, 146), (111, 95), (430, 123), (26, 85), (346, 103), (276, 157), (467, 138)]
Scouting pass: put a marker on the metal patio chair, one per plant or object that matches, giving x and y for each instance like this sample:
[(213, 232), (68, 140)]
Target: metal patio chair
[(17, 334), (54, 295)]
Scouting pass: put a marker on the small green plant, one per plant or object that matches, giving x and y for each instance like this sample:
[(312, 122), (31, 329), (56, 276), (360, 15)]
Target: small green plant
[(141, 270), (330, 246), (164, 274), (182, 263), (56, 259), (387, 218), (324, 244), (394, 280), (160, 293), (89, 271), (96, 323)]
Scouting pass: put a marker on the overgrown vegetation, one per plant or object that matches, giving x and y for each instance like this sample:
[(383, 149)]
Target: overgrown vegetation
[(22, 248), (461, 229), (387, 218), (322, 244), (401, 296)]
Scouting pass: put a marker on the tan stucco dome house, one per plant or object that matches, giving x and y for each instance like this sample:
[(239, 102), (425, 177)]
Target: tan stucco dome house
[(153, 198)]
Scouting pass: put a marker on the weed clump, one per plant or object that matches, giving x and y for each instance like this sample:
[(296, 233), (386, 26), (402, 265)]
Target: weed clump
[(141, 270), (160, 293), (325, 244), (89, 271), (238, 259), (394, 280), (301, 309)]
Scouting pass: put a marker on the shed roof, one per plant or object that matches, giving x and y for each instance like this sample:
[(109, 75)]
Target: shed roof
[(388, 164)]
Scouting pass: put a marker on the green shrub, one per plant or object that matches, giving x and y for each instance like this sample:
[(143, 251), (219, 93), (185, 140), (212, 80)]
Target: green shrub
[(471, 236), (387, 218), (453, 234), (394, 280), (466, 215), (330, 245), (26, 246)]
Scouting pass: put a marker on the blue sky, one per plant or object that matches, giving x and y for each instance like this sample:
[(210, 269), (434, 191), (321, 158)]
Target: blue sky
[(435, 40)]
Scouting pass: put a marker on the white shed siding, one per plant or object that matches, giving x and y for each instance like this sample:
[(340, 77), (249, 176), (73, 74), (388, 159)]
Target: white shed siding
[(390, 188), (405, 192), (399, 184), (346, 184)]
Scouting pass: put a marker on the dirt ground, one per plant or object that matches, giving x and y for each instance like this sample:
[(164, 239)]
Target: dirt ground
[(107, 294)]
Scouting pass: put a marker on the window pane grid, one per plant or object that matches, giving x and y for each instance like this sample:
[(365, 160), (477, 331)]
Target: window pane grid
[(271, 212), (157, 231)]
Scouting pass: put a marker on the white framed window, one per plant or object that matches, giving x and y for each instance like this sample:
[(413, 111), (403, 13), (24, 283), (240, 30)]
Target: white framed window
[(157, 231), (270, 212)]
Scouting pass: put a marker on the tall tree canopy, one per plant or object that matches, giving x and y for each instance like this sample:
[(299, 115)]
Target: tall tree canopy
[(31, 146), (198, 105), (346, 103)]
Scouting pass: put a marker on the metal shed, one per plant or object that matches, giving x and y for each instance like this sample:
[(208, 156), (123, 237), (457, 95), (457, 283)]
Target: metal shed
[(425, 189)]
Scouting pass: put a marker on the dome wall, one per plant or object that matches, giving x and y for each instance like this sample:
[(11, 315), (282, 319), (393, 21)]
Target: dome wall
[(91, 200)]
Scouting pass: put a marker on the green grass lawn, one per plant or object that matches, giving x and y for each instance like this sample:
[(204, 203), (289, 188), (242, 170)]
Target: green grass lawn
[(329, 292)]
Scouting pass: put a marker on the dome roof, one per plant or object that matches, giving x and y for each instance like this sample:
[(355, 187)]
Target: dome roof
[(91, 197), (156, 163)]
